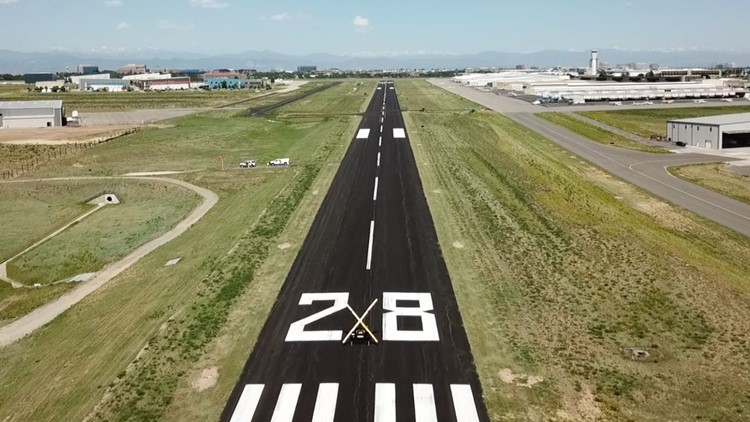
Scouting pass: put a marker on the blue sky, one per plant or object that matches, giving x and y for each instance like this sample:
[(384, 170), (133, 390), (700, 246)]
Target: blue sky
[(360, 26)]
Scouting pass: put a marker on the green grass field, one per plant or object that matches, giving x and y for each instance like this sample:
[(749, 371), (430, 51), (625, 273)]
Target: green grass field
[(147, 209), (597, 134), (416, 95), (654, 121), (717, 177), (560, 268), (131, 350)]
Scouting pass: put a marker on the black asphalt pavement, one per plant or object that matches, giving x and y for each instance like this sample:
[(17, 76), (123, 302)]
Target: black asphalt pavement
[(373, 239)]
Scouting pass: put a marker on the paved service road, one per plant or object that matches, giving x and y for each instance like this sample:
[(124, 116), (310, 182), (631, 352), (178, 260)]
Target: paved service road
[(645, 170), (373, 239)]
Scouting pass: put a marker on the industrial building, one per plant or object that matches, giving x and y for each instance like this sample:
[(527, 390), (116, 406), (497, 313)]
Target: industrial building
[(31, 114), (147, 76), (714, 132), (32, 78), (166, 84), (224, 83), (307, 69), (110, 85), (77, 79), (617, 91)]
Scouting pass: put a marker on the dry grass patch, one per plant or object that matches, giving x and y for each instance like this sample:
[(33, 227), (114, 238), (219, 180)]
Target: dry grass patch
[(717, 177)]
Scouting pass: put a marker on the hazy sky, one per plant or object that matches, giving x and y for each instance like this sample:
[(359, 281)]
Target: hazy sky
[(356, 26)]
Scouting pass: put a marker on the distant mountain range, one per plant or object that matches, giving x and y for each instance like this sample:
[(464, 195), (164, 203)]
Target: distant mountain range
[(57, 60)]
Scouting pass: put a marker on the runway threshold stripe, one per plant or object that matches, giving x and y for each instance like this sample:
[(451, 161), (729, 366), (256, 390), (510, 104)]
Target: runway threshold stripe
[(463, 403), (287, 403), (424, 403), (385, 402), (369, 247), (247, 404), (375, 191), (325, 404)]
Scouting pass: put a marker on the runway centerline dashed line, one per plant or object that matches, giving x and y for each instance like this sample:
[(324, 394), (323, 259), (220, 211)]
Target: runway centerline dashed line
[(375, 191), (380, 141), (378, 159), (369, 246)]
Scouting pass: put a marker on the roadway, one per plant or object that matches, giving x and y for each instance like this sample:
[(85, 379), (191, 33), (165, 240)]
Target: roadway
[(372, 239), (647, 171)]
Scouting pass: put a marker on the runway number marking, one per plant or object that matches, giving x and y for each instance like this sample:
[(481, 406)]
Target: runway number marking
[(393, 309), (297, 329), (391, 332)]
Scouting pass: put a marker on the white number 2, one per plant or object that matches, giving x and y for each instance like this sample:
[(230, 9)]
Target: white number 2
[(297, 329), (391, 332)]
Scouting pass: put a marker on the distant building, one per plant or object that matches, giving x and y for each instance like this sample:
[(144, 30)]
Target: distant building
[(166, 84), (132, 69), (87, 69), (147, 76), (222, 73), (48, 85), (520, 66), (31, 114), (32, 78), (225, 83), (307, 69), (110, 85), (77, 79)]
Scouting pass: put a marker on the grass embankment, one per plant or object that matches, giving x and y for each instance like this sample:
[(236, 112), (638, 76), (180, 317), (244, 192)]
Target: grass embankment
[(147, 210), (11, 156), (717, 177), (654, 121), (597, 134), (114, 101), (132, 350), (560, 268)]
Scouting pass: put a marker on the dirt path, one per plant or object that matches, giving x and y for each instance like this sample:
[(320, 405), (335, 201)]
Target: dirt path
[(46, 313)]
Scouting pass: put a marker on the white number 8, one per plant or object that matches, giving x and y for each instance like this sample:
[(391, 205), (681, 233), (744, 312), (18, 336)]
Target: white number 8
[(391, 332)]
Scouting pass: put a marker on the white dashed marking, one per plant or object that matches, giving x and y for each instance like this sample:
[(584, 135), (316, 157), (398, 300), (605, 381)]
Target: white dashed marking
[(380, 141), (463, 403), (381, 128), (385, 402), (378, 159), (248, 403), (399, 133), (325, 404), (369, 247), (424, 403), (287, 404), (363, 133), (375, 191)]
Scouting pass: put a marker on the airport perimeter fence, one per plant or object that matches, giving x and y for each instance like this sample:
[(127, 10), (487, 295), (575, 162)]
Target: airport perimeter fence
[(61, 151)]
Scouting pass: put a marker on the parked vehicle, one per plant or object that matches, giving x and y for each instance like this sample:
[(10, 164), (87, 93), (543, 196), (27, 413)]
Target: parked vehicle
[(279, 162), (248, 163)]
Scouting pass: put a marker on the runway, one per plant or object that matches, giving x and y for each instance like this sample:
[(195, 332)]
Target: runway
[(647, 171), (372, 246)]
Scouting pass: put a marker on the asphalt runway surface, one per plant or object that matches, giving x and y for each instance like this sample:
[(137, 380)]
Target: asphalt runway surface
[(647, 171), (373, 239)]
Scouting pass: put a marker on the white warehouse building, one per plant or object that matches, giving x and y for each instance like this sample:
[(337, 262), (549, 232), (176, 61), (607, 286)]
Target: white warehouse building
[(609, 91), (31, 114), (714, 132)]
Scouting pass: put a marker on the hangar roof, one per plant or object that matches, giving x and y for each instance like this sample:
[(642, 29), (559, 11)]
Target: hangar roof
[(724, 119), (19, 105)]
